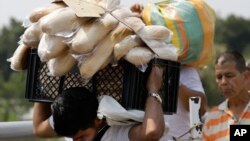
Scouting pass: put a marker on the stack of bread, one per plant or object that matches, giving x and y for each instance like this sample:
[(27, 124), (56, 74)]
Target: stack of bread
[(64, 39)]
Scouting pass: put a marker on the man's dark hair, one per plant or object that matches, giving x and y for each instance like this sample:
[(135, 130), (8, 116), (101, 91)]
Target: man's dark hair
[(74, 109), (232, 56)]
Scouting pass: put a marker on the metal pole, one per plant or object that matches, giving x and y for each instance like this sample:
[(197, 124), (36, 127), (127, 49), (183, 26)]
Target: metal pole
[(16, 129)]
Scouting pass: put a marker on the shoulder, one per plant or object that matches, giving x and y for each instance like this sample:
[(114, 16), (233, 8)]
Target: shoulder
[(189, 73), (213, 115), (217, 113), (213, 111), (190, 78), (188, 70)]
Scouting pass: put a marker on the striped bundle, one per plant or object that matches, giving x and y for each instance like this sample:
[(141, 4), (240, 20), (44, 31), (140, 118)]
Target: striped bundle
[(192, 22)]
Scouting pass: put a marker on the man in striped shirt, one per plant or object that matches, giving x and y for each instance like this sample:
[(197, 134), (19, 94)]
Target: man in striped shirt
[(231, 78)]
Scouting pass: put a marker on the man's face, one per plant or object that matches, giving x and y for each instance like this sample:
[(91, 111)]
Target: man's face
[(229, 80), (85, 135)]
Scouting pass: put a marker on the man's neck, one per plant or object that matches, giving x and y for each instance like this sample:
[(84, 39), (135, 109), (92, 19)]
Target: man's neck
[(237, 105), (102, 124)]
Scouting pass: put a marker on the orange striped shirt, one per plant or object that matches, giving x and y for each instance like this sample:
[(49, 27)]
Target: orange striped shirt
[(218, 121)]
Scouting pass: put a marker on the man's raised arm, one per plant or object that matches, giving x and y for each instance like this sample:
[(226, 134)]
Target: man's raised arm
[(41, 126)]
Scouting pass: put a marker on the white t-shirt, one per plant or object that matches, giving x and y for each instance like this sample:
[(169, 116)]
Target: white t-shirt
[(178, 123)]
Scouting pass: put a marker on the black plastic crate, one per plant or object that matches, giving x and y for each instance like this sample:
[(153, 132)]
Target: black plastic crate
[(125, 83), (41, 87), (135, 93)]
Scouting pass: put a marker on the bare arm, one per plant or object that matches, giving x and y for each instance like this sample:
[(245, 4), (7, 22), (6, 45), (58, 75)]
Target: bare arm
[(185, 93), (41, 126), (153, 125)]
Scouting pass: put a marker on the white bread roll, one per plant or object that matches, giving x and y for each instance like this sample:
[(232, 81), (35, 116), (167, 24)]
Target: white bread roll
[(156, 37), (50, 47), (123, 47), (19, 60), (155, 32), (61, 65), (103, 52), (32, 35), (41, 12), (61, 22), (91, 34), (139, 56), (167, 52), (106, 63), (135, 23)]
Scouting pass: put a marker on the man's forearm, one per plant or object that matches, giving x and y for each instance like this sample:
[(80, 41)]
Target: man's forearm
[(154, 119), (153, 125), (41, 113), (41, 125)]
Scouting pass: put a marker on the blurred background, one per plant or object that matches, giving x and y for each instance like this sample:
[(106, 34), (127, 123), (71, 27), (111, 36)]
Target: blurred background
[(232, 32)]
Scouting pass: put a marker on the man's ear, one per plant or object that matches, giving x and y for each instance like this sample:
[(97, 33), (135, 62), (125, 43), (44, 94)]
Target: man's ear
[(98, 121), (246, 74)]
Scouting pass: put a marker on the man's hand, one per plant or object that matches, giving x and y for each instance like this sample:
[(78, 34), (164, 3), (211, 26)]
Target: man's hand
[(155, 78), (137, 9)]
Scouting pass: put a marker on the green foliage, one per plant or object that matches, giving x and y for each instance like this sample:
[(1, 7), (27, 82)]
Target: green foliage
[(12, 83), (9, 37), (12, 97), (246, 53), (234, 32)]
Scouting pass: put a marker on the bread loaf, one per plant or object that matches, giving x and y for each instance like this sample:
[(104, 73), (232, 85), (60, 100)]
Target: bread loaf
[(19, 60), (50, 47), (61, 65), (155, 32), (63, 22), (139, 56), (156, 37), (32, 35), (91, 34), (103, 52), (41, 12), (123, 47), (106, 63), (135, 23), (167, 52)]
